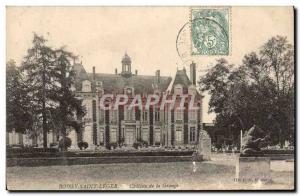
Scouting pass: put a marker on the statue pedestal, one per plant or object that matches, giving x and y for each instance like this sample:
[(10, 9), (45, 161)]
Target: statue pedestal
[(253, 169), (204, 146)]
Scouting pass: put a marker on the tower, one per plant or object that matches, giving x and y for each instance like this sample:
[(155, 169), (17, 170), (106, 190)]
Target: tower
[(126, 65)]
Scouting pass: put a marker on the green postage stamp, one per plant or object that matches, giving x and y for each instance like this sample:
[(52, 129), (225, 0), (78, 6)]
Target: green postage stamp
[(210, 31)]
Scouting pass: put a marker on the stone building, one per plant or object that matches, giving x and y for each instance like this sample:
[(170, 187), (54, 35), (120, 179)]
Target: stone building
[(121, 125)]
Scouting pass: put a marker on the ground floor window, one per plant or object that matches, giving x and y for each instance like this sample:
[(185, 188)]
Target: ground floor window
[(157, 136), (178, 135), (129, 138), (192, 134), (145, 135), (113, 136), (101, 136)]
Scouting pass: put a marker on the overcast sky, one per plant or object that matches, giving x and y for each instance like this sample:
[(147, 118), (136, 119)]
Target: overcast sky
[(101, 35)]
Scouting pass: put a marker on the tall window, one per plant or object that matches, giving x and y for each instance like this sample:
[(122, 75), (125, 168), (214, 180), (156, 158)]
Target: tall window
[(178, 114), (157, 115), (192, 134), (157, 136), (101, 115), (145, 115), (130, 114), (178, 135), (192, 114), (86, 86), (89, 112), (113, 115)]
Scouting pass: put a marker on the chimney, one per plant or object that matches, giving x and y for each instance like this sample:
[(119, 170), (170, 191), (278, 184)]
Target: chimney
[(94, 80), (193, 73), (157, 74), (94, 73), (116, 71), (136, 72)]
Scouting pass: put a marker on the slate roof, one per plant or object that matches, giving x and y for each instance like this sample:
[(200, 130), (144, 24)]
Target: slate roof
[(181, 78), (115, 83)]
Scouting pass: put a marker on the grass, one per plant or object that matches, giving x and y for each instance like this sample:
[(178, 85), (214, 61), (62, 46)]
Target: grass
[(217, 174)]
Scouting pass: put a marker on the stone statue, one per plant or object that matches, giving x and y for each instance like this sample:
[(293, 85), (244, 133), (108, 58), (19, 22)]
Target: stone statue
[(253, 140)]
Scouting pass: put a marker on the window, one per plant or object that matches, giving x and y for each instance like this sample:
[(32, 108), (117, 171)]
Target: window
[(129, 91), (130, 114), (113, 136), (178, 89), (192, 114), (178, 135), (89, 111), (101, 115), (157, 115), (157, 136), (86, 86), (145, 115), (113, 115), (192, 90), (192, 134), (178, 114), (145, 134)]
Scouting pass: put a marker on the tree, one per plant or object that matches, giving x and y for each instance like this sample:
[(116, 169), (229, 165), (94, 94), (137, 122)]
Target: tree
[(260, 91), (38, 68), (18, 104), (47, 88), (63, 93), (278, 55)]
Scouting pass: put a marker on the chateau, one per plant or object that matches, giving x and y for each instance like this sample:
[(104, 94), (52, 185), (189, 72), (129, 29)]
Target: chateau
[(123, 125)]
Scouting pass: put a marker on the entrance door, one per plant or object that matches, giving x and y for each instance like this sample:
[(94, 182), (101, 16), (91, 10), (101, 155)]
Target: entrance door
[(129, 138)]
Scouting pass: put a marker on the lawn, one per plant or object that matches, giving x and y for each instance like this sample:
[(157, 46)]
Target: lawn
[(216, 174)]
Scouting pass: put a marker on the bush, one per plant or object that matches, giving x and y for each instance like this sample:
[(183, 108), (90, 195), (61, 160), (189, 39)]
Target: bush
[(83, 145), (144, 143), (136, 145), (112, 145), (80, 145), (64, 143)]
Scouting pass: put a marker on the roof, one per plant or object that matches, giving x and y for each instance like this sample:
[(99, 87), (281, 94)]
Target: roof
[(115, 83), (81, 75), (182, 79)]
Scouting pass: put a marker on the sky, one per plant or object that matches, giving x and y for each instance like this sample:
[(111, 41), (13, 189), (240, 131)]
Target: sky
[(101, 35)]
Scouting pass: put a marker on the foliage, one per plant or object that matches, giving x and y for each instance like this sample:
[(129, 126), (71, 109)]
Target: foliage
[(63, 93), (18, 104), (259, 91), (37, 69), (64, 143), (83, 145), (41, 93), (136, 145)]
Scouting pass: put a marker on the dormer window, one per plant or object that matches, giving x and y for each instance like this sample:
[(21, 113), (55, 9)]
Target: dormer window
[(178, 89), (129, 91), (99, 83), (192, 90), (86, 86)]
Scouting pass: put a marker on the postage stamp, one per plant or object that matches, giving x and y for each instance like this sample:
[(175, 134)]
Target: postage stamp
[(210, 31)]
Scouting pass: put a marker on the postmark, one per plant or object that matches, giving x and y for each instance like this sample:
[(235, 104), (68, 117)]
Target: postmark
[(210, 31)]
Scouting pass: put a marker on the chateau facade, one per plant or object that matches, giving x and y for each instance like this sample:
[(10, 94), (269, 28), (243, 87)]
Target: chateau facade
[(154, 125)]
